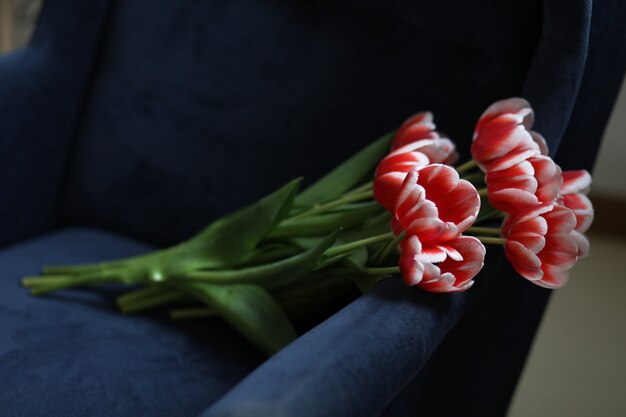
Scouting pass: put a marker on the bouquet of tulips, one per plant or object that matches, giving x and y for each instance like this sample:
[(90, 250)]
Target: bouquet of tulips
[(397, 207)]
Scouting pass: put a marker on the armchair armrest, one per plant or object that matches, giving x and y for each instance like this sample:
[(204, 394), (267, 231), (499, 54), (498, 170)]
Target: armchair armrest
[(358, 361), (41, 87)]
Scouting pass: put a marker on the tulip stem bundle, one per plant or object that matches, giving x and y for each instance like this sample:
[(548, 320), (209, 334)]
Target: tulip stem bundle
[(348, 247), (348, 198), (378, 214)]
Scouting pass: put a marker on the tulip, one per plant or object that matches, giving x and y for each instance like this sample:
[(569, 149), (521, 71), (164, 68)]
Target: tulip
[(502, 137), (573, 196), (524, 185), (435, 205), (392, 171), (445, 267), (417, 127), (541, 244), (420, 127)]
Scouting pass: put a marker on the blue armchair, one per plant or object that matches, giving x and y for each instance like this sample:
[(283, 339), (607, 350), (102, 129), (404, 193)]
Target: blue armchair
[(128, 125)]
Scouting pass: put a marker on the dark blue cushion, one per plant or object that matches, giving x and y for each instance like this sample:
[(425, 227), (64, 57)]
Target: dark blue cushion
[(73, 354)]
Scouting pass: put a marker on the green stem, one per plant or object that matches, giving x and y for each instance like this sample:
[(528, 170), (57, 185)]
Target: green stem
[(139, 304), (49, 283), (37, 288), (68, 269), (390, 247), (29, 282), (482, 192), (487, 230), (143, 292), (336, 250), (103, 266), (466, 166), (269, 256), (349, 198), (491, 240), (365, 187)]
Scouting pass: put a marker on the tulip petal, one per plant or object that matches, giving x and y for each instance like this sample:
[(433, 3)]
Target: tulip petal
[(432, 229), (512, 200), (582, 242), (412, 269), (517, 172), (553, 278), (549, 177), (560, 250), (433, 254), (560, 220), (514, 105), (457, 201), (582, 208), (499, 139), (524, 261), (402, 162), (444, 283), (575, 182), (473, 257), (540, 141), (512, 158), (431, 274), (387, 187)]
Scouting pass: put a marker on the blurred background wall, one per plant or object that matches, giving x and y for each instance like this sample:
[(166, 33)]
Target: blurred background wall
[(577, 365), (609, 177), (17, 19)]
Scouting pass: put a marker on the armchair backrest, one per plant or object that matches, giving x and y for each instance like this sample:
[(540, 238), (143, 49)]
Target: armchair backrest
[(196, 108)]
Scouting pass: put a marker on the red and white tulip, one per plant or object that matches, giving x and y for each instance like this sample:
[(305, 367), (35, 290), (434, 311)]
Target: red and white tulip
[(540, 244)]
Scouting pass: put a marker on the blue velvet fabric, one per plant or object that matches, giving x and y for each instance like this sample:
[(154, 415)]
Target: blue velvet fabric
[(41, 92), (73, 354), (194, 99), (150, 118)]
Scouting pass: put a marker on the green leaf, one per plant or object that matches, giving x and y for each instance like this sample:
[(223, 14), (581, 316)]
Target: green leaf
[(250, 310), (232, 238), (354, 260), (224, 243), (324, 224), (357, 259), (347, 175), (364, 232), (272, 275), (306, 242)]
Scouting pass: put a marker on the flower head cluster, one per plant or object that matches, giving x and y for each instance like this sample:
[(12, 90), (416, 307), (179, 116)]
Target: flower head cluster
[(431, 208), (547, 211)]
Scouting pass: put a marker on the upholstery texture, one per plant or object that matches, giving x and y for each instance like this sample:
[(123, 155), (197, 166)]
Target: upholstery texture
[(73, 354), (149, 118), (199, 107)]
